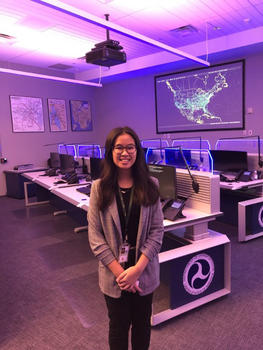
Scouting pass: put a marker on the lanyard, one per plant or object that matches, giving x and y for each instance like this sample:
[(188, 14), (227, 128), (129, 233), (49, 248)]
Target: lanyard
[(126, 214)]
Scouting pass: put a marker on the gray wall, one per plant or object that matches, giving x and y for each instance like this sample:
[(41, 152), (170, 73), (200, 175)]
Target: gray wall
[(123, 102)]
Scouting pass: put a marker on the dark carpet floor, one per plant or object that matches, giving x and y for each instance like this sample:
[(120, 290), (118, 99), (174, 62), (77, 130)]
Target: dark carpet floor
[(50, 298)]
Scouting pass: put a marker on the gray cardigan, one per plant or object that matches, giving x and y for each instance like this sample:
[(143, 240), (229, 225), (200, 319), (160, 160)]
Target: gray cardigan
[(105, 240)]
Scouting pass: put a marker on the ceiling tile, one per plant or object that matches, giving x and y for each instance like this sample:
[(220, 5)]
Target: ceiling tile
[(152, 18)]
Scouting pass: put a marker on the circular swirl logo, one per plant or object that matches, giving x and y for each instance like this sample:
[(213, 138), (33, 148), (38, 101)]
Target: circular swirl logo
[(260, 216), (198, 274)]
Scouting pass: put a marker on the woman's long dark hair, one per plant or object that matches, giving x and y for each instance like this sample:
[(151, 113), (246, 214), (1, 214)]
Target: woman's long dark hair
[(146, 191)]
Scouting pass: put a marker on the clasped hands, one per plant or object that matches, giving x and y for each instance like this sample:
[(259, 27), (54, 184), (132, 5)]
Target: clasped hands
[(128, 280)]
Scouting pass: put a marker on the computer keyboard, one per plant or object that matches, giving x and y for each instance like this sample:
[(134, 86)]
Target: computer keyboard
[(85, 189)]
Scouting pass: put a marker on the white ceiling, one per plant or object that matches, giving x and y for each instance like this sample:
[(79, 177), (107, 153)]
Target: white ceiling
[(217, 25)]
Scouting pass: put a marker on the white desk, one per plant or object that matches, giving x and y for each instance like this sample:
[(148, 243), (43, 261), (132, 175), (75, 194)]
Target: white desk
[(15, 182), (71, 195), (179, 294), (237, 185), (181, 260), (64, 191), (250, 211), (39, 178), (33, 177), (48, 182), (33, 169), (195, 222)]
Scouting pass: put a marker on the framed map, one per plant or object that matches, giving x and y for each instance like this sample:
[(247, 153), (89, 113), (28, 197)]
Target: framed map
[(80, 115), (57, 115), (27, 114)]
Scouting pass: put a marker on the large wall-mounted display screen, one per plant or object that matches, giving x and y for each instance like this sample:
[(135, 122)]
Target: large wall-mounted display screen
[(201, 99)]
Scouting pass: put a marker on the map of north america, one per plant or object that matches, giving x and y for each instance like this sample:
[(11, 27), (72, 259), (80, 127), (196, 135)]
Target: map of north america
[(192, 96)]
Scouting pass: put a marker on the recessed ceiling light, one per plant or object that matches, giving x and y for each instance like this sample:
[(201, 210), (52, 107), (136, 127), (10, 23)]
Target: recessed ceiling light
[(246, 20), (6, 23), (47, 42)]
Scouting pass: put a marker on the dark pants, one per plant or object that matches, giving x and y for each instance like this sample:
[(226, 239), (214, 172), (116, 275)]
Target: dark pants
[(129, 310)]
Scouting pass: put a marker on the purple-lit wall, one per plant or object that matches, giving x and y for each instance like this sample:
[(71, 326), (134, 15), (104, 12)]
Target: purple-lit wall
[(123, 102), (127, 102), (24, 148)]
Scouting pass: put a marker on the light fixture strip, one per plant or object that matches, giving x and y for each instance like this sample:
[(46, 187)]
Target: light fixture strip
[(62, 7), (48, 77)]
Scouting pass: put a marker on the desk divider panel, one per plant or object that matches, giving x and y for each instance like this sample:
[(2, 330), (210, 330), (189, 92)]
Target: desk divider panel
[(208, 198)]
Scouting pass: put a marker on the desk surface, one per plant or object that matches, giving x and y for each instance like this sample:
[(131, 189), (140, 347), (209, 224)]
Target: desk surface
[(65, 191), (237, 185), (45, 181), (35, 169), (33, 175), (192, 216), (214, 239), (70, 194)]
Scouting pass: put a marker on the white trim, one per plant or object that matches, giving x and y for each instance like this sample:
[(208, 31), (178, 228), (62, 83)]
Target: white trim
[(48, 77)]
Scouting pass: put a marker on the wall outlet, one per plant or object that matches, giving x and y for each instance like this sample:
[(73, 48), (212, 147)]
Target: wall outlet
[(250, 132)]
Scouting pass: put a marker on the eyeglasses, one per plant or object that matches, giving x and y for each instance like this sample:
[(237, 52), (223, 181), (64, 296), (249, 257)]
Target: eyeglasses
[(118, 149)]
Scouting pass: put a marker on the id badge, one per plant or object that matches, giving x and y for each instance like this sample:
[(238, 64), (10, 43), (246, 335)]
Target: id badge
[(125, 247)]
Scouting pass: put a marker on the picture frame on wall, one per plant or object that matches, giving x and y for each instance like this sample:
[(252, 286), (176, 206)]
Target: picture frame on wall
[(57, 115), (27, 114), (81, 119)]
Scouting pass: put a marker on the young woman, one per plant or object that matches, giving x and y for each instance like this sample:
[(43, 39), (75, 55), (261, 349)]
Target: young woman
[(125, 233)]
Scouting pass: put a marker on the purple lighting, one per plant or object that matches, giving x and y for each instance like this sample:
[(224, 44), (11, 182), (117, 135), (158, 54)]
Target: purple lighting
[(48, 77), (72, 11)]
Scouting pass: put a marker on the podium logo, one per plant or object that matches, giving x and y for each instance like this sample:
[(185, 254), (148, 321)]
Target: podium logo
[(260, 216), (198, 274)]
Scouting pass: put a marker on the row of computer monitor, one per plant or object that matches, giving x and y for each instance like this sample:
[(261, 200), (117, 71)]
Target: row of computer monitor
[(221, 160), (91, 150), (165, 173), (66, 164)]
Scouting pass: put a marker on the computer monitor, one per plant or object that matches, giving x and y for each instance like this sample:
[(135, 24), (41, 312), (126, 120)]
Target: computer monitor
[(89, 151), (229, 160), (67, 163), (95, 167), (166, 174), (54, 160), (67, 149), (173, 156), (154, 156)]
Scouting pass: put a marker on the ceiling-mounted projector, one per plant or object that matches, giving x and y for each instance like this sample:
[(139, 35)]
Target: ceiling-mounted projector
[(107, 53)]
